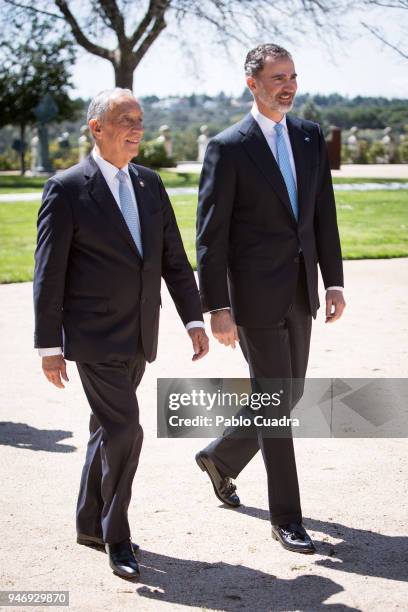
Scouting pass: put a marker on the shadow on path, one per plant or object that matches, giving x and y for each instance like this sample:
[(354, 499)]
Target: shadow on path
[(221, 586), (21, 435), (360, 551)]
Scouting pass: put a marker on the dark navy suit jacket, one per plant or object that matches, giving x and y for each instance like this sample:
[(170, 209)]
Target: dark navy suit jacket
[(248, 239), (93, 294)]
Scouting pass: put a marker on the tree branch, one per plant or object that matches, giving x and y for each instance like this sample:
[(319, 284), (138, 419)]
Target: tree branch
[(32, 9), (398, 4), (156, 9), (115, 18), (79, 35), (157, 27), (380, 37)]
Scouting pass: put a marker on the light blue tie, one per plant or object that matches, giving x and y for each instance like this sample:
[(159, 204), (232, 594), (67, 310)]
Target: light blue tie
[(286, 169), (129, 210)]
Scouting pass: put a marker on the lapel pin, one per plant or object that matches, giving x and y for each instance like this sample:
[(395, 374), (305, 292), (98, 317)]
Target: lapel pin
[(141, 183), (307, 139)]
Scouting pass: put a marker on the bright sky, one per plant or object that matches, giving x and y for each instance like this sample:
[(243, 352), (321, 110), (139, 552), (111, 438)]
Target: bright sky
[(362, 67)]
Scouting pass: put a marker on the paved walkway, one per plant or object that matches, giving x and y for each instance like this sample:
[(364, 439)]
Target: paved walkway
[(196, 554), (346, 171)]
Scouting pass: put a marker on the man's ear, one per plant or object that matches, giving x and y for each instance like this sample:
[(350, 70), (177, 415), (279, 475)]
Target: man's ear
[(250, 81), (95, 127)]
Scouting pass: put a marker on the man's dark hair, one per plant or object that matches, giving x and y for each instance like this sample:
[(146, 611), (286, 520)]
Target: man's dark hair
[(255, 60)]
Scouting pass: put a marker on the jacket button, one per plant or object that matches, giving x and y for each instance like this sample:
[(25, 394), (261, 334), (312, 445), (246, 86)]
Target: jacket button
[(296, 260)]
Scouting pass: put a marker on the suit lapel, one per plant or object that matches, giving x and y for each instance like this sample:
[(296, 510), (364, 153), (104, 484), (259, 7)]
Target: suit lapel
[(300, 141), (102, 195), (258, 149)]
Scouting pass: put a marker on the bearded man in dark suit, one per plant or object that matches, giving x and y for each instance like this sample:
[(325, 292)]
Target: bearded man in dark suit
[(266, 219), (107, 234)]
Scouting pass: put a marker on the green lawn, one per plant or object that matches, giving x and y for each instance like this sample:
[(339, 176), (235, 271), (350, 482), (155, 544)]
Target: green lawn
[(20, 184), (17, 241), (23, 184), (372, 225), (353, 181)]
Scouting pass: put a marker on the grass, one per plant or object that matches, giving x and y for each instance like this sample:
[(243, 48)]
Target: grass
[(372, 225), (356, 180), (25, 184), (20, 184), (17, 241)]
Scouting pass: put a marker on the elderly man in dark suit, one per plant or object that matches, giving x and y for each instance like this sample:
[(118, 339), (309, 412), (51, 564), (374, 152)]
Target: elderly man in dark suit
[(266, 219), (107, 234)]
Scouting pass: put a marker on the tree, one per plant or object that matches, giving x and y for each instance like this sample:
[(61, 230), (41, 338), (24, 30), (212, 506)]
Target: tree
[(133, 27), (399, 17), (32, 66)]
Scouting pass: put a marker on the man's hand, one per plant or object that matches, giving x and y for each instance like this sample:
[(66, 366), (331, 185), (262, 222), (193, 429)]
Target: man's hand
[(335, 305), (55, 369), (200, 342), (224, 328)]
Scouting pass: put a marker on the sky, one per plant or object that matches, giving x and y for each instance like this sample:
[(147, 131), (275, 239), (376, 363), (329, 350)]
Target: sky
[(360, 66)]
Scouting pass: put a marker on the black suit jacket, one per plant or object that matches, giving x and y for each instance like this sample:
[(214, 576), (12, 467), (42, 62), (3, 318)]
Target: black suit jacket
[(93, 294), (248, 239)]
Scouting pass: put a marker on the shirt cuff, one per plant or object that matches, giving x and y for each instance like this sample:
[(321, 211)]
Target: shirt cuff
[(334, 288), (50, 352), (192, 324), (218, 309)]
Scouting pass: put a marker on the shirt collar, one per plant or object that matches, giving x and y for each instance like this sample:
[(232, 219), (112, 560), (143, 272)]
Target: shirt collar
[(267, 125), (108, 170)]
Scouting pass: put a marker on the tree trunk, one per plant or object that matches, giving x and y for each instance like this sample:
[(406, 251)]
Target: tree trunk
[(22, 149), (124, 70)]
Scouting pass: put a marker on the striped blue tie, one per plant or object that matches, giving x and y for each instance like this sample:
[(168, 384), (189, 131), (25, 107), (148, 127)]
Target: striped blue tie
[(129, 210), (286, 169)]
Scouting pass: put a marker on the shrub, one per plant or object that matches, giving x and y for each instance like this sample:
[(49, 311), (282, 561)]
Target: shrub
[(153, 155)]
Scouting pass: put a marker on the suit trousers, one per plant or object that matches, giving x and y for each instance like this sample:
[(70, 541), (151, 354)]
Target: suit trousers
[(114, 447), (280, 352)]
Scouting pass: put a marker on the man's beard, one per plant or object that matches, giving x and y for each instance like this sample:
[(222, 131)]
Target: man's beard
[(274, 105), (285, 108)]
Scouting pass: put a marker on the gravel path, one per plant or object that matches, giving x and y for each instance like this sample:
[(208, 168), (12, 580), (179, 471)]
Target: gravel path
[(195, 553)]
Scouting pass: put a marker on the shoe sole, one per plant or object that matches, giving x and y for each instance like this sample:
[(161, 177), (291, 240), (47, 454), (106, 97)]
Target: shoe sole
[(304, 551), (100, 545), (126, 576), (207, 467)]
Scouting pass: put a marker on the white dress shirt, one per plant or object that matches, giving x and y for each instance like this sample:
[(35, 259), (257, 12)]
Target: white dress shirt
[(109, 172), (268, 130)]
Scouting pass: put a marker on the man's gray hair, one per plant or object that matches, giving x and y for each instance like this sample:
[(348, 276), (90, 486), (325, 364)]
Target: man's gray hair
[(100, 104), (255, 60)]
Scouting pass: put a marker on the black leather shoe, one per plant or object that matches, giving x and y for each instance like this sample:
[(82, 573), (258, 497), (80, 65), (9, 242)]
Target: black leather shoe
[(293, 536), (223, 487), (122, 559), (98, 543)]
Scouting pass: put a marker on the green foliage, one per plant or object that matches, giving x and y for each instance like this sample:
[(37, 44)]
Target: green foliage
[(34, 63), (376, 153), (9, 160), (153, 155), (403, 151), (311, 112), (185, 144), (31, 67)]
